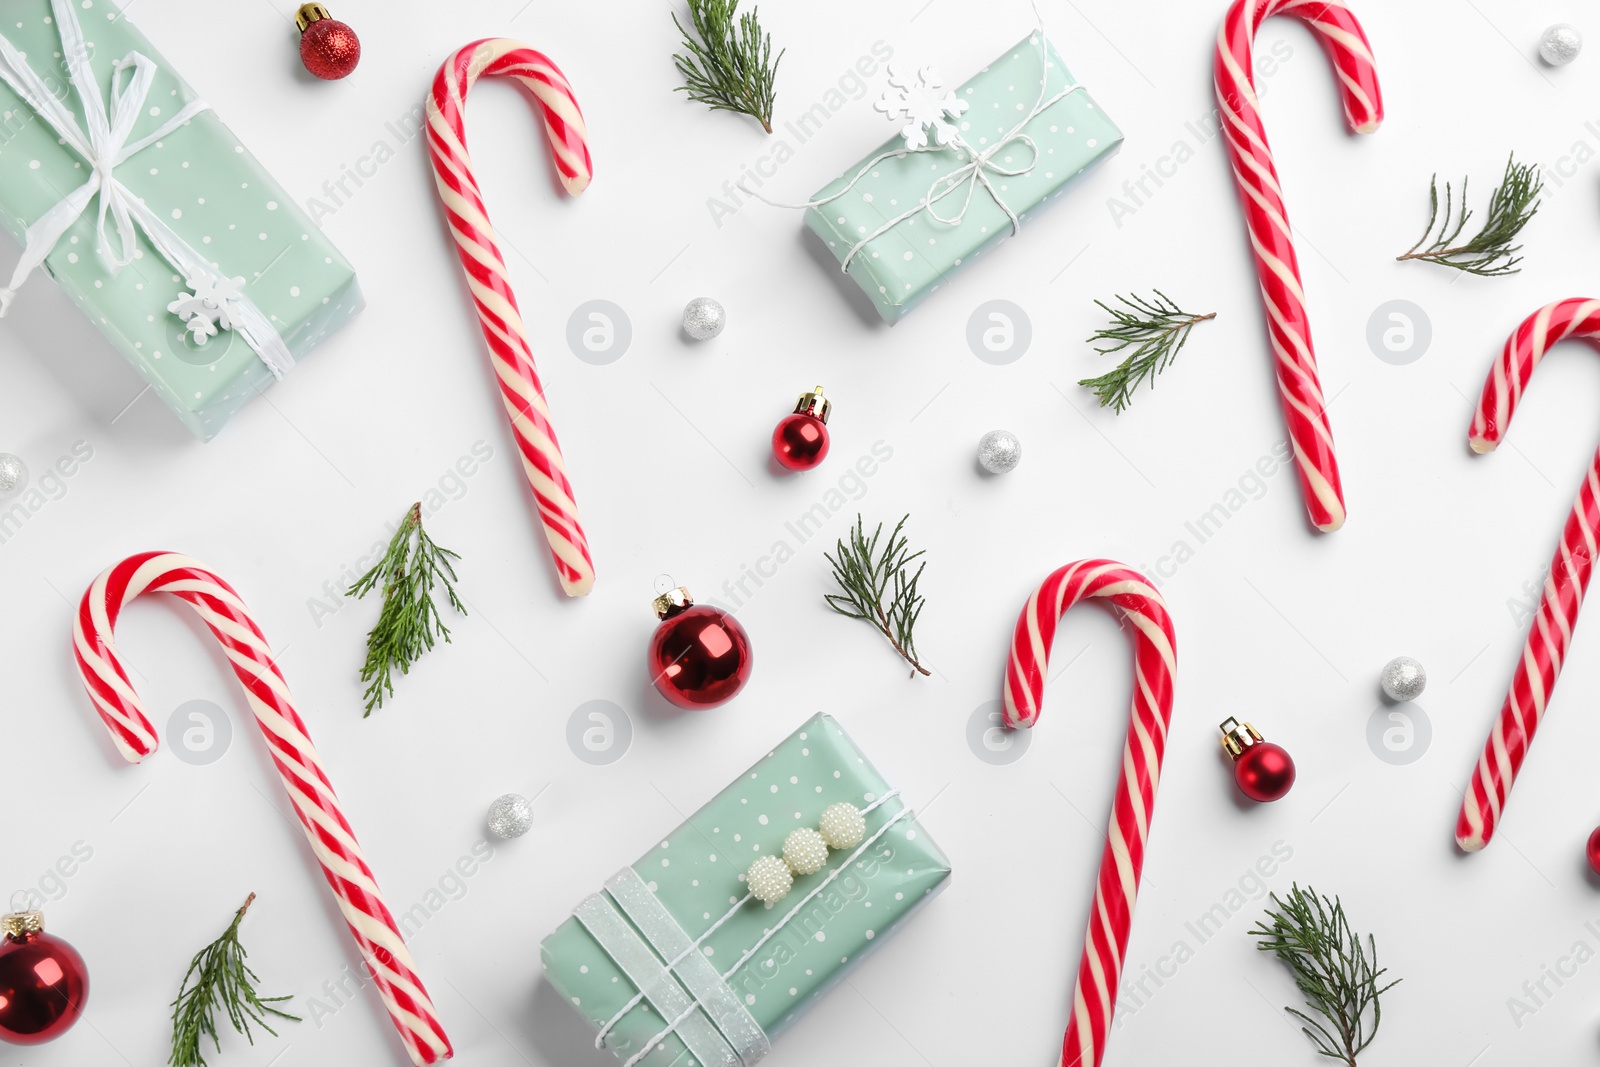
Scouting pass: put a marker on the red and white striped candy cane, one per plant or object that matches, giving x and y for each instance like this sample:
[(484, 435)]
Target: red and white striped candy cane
[(1546, 648), (1154, 663), (105, 678), (1268, 223), (491, 285)]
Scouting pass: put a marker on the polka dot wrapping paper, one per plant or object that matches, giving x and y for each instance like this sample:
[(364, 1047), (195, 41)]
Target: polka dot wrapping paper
[(695, 874), (1026, 162), (203, 184)]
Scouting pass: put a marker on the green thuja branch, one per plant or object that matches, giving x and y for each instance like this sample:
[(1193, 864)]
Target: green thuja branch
[(1488, 253), (877, 585), (409, 620), (219, 977), (730, 66), (1335, 970), (1155, 329)]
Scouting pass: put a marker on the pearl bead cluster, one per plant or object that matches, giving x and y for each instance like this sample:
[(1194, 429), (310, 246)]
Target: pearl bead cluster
[(805, 851)]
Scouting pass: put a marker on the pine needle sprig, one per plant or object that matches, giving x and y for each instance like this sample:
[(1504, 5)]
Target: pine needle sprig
[(221, 978), (1155, 328), (409, 620), (867, 572), (1489, 253), (1336, 972), (730, 66)]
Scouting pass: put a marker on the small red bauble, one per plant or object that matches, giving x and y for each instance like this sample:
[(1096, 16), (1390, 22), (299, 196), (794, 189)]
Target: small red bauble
[(328, 47), (1593, 851), (699, 656), (801, 440), (43, 982), (1264, 771)]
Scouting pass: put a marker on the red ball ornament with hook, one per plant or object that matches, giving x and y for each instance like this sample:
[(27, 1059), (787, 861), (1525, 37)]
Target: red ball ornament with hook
[(1263, 771), (800, 442), (328, 48)]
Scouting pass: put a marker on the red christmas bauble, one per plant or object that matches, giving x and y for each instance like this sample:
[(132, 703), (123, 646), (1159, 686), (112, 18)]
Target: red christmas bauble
[(328, 48), (699, 656), (801, 440), (43, 982), (1593, 851), (1264, 771)]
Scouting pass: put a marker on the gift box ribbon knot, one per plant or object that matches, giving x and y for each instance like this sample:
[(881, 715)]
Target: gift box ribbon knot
[(979, 168), (216, 299), (668, 967)]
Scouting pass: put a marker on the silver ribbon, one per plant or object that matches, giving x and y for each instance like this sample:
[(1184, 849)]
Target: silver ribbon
[(650, 976), (715, 996), (104, 147)]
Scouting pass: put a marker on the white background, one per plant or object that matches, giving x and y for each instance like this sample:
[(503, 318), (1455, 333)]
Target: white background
[(667, 448)]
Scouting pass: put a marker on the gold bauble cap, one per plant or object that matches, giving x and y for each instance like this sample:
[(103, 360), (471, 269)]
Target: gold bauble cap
[(308, 14), (669, 604), (814, 404), (1237, 736), (19, 924)]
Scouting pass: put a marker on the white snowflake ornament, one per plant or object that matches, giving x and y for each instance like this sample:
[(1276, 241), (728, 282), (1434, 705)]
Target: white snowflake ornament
[(205, 307), (916, 98)]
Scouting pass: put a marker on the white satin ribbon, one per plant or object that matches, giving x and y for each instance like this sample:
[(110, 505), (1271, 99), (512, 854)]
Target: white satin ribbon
[(104, 147)]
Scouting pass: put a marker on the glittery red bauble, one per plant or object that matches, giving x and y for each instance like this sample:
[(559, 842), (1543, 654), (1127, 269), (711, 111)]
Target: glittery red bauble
[(800, 442), (330, 49), (700, 657), (43, 986), (1593, 851), (1264, 771)]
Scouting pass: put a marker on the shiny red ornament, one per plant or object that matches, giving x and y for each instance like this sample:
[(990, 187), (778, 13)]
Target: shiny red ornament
[(1264, 771), (1593, 851), (43, 982), (801, 440), (328, 48), (699, 656)]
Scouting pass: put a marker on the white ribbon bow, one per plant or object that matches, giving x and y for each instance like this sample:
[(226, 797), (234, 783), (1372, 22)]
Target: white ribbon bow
[(104, 147)]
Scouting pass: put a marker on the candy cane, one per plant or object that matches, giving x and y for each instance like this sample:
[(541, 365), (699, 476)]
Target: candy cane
[(1546, 647), (384, 952), (1268, 223), (1154, 662), (486, 270)]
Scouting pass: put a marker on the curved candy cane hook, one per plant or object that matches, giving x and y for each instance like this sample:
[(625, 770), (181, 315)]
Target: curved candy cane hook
[(489, 282), (1154, 664), (1267, 220), (386, 958), (1546, 647)]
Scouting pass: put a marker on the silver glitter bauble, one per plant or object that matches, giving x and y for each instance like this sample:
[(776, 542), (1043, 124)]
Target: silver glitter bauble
[(1560, 44), (999, 451), (703, 318), (510, 816), (13, 473), (1403, 679)]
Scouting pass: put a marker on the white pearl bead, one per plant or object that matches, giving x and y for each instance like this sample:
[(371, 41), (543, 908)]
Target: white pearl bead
[(842, 825), (769, 879), (805, 851)]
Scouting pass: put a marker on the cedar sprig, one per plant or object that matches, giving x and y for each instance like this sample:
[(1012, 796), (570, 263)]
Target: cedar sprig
[(220, 978), (1336, 972), (1155, 328), (730, 66), (871, 569), (1489, 253), (409, 620)]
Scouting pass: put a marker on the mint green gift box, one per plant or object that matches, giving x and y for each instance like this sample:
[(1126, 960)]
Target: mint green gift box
[(880, 218), (777, 959), (202, 183)]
